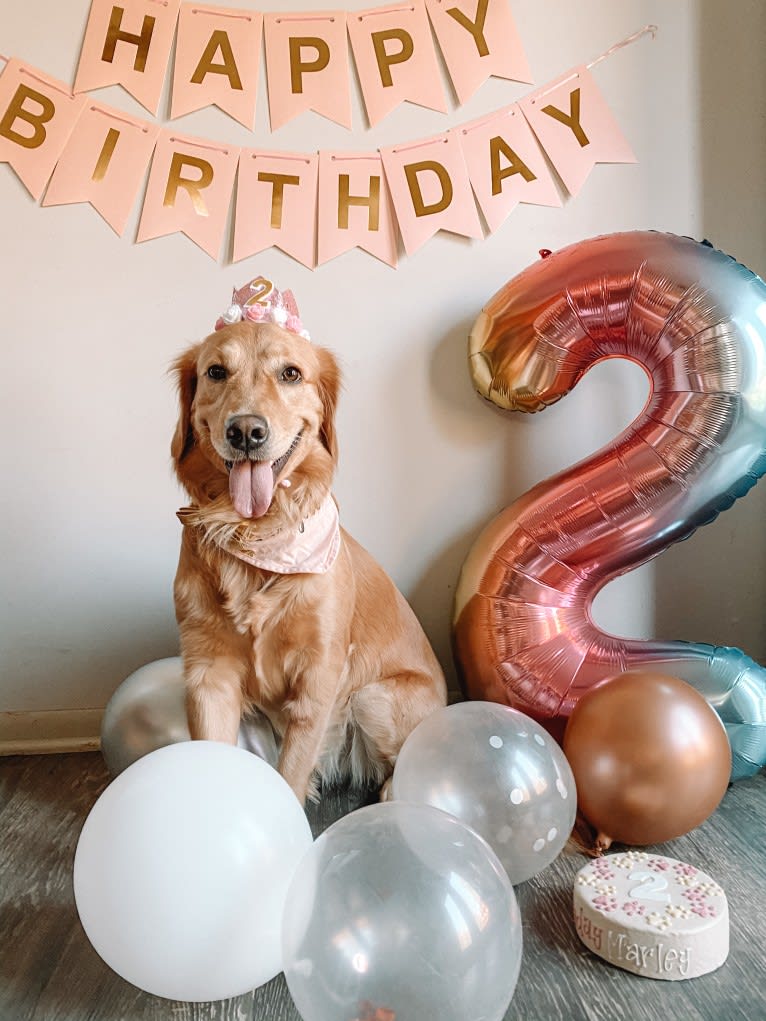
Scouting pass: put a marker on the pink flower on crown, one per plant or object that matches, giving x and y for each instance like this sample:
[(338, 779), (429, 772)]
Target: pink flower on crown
[(257, 313), (294, 324)]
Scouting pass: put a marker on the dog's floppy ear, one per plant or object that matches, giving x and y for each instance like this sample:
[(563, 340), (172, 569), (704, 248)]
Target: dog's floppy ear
[(185, 370), (329, 391)]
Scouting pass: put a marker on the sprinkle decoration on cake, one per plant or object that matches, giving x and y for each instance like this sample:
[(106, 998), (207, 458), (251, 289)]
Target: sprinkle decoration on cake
[(651, 915)]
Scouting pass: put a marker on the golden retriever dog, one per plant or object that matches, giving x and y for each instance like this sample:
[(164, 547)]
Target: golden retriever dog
[(278, 607)]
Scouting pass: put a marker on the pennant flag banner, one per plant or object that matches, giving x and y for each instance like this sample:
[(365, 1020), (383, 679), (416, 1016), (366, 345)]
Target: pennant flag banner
[(104, 164), (505, 165), (431, 190), (37, 116), (128, 45), (307, 66), (276, 204), (217, 61), (395, 58), (575, 127), (491, 47), (218, 54), (189, 190), (313, 206), (355, 208)]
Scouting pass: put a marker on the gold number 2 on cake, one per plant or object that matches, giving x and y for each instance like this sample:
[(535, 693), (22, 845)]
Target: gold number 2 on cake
[(650, 887)]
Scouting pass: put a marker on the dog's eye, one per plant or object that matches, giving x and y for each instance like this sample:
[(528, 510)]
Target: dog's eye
[(291, 375), (217, 372)]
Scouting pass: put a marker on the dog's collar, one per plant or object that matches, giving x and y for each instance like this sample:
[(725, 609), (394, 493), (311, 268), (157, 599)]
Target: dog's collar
[(310, 548)]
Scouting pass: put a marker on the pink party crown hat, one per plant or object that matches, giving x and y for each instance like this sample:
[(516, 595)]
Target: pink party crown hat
[(259, 301)]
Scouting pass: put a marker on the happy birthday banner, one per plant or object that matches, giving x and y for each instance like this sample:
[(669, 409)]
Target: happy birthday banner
[(307, 66), (313, 206)]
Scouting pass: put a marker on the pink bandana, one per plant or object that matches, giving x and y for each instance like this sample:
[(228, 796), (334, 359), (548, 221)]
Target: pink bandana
[(310, 549)]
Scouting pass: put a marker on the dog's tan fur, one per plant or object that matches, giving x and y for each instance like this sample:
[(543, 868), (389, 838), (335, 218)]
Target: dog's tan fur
[(337, 661)]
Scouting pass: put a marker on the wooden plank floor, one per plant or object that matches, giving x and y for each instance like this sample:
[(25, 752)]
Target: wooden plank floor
[(49, 972)]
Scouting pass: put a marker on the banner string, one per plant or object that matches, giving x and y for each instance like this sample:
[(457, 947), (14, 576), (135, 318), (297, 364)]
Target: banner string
[(356, 156), (43, 81), (219, 13), (602, 56), (647, 29), (509, 112), (199, 145), (385, 10), (280, 156), (306, 17), (47, 81), (124, 120), (419, 145)]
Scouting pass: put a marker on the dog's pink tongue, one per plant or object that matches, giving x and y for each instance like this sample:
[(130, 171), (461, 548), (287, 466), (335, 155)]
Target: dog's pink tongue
[(251, 486)]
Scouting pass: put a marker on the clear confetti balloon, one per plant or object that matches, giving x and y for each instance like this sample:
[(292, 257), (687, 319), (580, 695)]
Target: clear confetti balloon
[(500, 773), (399, 912), (148, 711)]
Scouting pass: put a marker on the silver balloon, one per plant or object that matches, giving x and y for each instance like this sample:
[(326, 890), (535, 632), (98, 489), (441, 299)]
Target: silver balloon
[(399, 912), (148, 711), (500, 773)]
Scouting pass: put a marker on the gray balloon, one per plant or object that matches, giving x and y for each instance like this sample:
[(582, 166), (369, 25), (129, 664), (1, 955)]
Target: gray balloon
[(148, 711)]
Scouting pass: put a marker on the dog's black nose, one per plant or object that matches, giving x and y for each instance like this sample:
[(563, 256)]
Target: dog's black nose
[(247, 432)]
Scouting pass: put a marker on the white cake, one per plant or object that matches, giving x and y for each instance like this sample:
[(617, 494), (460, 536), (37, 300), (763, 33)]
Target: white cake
[(651, 915)]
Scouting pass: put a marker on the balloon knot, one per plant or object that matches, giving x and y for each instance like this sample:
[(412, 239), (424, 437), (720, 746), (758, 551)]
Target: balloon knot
[(601, 844), (545, 252)]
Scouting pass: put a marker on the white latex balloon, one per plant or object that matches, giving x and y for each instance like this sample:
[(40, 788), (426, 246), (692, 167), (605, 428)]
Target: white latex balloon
[(399, 912), (499, 772), (148, 711), (182, 870)]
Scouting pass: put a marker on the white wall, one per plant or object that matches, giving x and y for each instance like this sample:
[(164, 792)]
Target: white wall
[(90, 323)]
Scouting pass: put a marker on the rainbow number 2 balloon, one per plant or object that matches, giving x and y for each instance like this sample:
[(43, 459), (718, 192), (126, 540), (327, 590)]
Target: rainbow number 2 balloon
[(695, 320)]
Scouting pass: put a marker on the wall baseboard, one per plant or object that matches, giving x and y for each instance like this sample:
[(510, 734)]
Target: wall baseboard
[(50, 731)]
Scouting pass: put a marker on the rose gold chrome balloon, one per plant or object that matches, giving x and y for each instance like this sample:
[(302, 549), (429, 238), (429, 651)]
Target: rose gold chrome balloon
[(695, 320), (649, 756)]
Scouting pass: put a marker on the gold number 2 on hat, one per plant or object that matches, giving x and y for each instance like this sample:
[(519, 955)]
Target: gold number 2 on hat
[(261, 288)]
